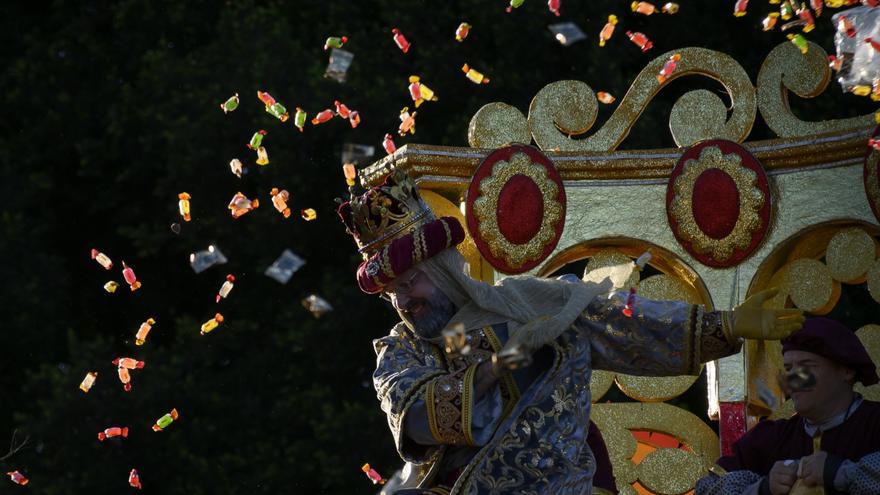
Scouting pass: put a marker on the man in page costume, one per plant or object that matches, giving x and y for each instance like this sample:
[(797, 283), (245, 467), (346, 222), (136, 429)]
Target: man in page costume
[(506, 408), (831, 444)]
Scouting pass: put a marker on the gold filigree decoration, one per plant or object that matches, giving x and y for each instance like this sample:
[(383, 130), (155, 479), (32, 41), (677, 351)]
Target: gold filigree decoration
[(616, 422), (496, 125), (751, 200), (568, 108), (850, 254), (811, 287), (807, 75), (486, 210)]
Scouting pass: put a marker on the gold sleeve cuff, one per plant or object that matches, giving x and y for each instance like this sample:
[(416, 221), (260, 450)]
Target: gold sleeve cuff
[(450, 404)]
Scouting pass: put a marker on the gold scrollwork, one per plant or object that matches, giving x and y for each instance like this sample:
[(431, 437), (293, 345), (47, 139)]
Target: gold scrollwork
[(807, 75), (498, 124)]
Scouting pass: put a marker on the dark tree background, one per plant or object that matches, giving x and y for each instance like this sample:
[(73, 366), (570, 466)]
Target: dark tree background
[(111, 109)]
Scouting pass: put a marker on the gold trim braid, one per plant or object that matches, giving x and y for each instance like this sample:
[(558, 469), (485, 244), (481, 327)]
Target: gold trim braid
[(450, 401)]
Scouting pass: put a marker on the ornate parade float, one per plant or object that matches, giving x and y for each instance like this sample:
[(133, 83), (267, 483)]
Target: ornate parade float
[(722, 217)]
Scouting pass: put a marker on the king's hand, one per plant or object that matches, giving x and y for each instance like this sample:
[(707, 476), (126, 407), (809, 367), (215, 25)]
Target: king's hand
[(752, 321)]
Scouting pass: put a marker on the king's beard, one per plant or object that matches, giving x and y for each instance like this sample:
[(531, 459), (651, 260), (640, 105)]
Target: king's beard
[(433, 317)]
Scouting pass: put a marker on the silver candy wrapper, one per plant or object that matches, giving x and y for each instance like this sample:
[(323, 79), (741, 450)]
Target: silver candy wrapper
[(317, 305), (340, 61), (206, 258), (567, 33), (285, 266), (860, 62)]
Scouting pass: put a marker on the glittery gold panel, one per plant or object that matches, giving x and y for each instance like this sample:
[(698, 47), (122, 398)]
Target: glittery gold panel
[(616, 422), (786, 69), (850, 254), (498, 124), (811, 287), (442, 207), (486, 210), (612, 263), (870, 337), (751, 200), (600, 383), (874, 280)]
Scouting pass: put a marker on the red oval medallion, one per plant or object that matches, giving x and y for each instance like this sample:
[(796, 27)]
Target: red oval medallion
[(716, 203), (520, 194)]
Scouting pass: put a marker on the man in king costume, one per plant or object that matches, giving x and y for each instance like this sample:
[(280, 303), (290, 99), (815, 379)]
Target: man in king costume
[(506, 409)]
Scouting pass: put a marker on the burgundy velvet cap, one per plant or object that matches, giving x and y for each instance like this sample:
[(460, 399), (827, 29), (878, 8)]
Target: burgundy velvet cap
[(833, 340)]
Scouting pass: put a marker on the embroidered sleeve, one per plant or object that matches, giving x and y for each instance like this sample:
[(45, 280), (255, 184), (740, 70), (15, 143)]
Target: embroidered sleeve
[(450, 403), (732, 483), (716, 339), (861, 477)]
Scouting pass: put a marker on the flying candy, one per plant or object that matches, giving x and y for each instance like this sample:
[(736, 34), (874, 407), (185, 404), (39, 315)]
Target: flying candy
[(240, 204), (335, 42), (236, 167), (354, 119), (644, 8), (226, 288), (419, 92), (462, 31), (350, 173), (846, 25), (807, 17), (554, 6), (114, 431), (262, 156), (337, 66), (323, 116), (474, 76), (143, 331), (608, 30), (111, 286), (278, 111), (400, 40), (739, 8), (786, 10), (874, 143), (211, 324), (407, 122), (134, 480), (341, 109), (316, 305), (514, 4), (130, 277), (300, 119), (308, 214), (769, 22), (230, 105), (279, 201), (668, 68), (256, 139), (125, 378), (18, 478), (166, 420), (128, 363), (285, 266), (670, 8), (183, 206), (102, 259), (266, 98), (206, 258), (88, 381), (567, 33), (817, 5), (640, 40), (874, 44), (388, 144), (799, 41), (605, 98), (370, 472)]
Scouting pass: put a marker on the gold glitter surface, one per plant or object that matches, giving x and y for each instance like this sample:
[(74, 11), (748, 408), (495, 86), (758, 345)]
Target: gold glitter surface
[(850, 254), (615, 265), (811, 286), (600, 382), (870, 337), (874, 281), (751, 200), (666, 288), (496, 125), (442, 207), (786, 69), (486, 210), (697, 115), (670, 471)]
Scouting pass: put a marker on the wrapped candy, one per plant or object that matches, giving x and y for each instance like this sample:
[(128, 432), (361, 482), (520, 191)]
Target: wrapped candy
[(278, 111), (226, 288), (474, 76), (644, 8), (874, 143), (114, 431), (769, 22), (419, 92), (285, 266), (102, 259), (230, 105), (88, 381), (786, 11), (316, 305), (240, 204), (370, 472), (124, 378), (799, 41), (257, 139), (18, 478), (211, 324), (350, 173), (567, 33), (817, 5), (335, 42), (337, 67), (342, 110), (134, 480), (128, 363), (206, 258), (739, 8), (266, 98), (323, 116), (166, 420), (554, 6), (279, 201), (144, 330), (299, 120), (670, 8), (111, 286), (874, 44), (262, 156), (640, 40), (514, 4), (845, 25), (308, 214), (130, 277), (183, 206), (605, 98), (668, 68), (856, 41), (354, 119), (236, 167), (400, 40), (462, 31), (388, 144), (608, 30), (407, 122), (806, 16)]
